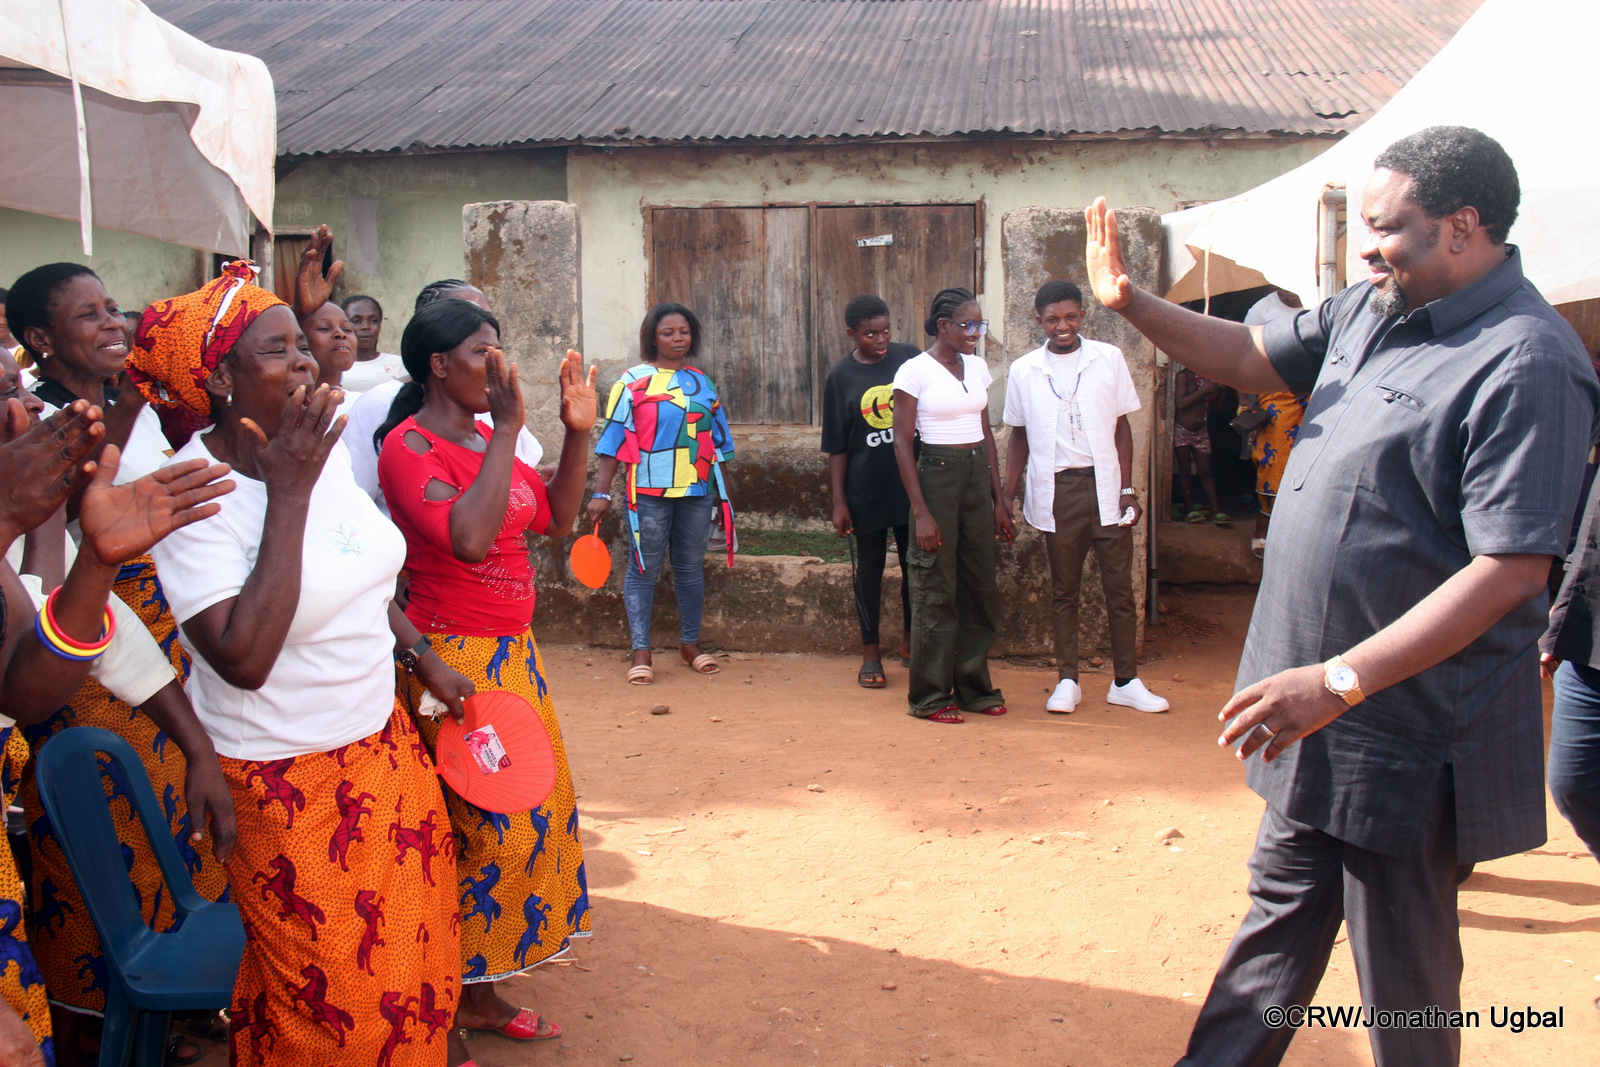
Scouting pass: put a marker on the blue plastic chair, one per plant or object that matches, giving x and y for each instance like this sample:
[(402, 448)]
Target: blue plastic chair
[(149, 974)]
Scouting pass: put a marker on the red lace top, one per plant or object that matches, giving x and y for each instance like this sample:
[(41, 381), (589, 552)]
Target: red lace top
[(494, 598)]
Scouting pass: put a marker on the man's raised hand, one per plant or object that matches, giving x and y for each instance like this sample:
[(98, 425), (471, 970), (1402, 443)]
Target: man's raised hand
[(1108, 277)]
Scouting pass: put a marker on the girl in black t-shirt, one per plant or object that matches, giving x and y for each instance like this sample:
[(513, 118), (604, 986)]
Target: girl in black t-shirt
[(868, 497)]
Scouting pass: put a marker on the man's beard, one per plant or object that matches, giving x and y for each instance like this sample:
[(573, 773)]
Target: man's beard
[(1388, 301)]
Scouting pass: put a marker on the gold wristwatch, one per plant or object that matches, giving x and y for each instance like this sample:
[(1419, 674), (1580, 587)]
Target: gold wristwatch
[(1340, 679)]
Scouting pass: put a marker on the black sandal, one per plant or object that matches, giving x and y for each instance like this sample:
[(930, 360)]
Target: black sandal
[(175, 1053), (871, 675)]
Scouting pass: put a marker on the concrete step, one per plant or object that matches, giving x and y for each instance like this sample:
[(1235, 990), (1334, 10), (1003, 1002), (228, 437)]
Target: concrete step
[(1202, 552)]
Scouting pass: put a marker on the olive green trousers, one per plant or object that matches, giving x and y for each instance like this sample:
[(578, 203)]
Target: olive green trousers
[(953, 589)]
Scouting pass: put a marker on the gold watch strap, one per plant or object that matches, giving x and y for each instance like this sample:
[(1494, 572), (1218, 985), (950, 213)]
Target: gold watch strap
[(1353, 695)]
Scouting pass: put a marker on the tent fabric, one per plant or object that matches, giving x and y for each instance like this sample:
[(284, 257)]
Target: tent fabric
[(1519, 71), (181, 136)]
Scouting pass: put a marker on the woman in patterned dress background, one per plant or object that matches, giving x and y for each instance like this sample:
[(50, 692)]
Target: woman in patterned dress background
[(667, 427), (463, 500)]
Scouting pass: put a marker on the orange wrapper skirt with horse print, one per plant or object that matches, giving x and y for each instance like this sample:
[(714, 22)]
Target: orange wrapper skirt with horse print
[(21, 984), (1272, 441), (524, 894), (344, 874), (59, 927)]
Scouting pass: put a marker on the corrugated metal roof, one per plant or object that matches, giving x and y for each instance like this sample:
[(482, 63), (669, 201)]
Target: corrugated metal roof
[(380, 75)]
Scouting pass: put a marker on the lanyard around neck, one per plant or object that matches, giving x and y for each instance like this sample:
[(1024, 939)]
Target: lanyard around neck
[(1074, 413)]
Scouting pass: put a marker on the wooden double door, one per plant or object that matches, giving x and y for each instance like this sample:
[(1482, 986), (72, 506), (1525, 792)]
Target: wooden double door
[(770, 285)]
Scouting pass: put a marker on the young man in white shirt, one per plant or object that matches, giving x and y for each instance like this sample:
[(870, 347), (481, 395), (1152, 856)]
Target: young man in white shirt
[(1067, 404)]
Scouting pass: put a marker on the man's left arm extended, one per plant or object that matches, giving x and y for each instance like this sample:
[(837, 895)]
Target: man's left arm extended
[(1294, 704)]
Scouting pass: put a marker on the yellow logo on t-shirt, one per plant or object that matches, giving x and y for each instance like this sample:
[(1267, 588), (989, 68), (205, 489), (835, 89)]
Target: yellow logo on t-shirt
[(877, 406)]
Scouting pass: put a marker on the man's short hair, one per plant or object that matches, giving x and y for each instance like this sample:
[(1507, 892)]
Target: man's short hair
[(1055, 291), (1452, 167), (864, 307)]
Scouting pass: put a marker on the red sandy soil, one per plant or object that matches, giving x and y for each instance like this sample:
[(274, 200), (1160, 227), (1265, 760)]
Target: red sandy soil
[(786, 869)]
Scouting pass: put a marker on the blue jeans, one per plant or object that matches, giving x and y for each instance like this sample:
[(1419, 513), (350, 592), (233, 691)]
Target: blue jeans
[(683, 523), (1574, 764)]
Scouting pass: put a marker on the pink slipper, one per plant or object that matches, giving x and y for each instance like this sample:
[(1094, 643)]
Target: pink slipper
[(524, 1026)]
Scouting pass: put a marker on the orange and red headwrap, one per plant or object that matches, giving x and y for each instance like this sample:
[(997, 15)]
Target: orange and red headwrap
[(181, 341)]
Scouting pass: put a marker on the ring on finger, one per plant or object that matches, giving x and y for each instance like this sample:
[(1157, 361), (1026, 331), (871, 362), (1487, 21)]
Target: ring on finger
[(1263, 728)]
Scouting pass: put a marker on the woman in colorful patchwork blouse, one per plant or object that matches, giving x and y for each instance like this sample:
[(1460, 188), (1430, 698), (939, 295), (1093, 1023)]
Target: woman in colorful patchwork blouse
[(666, 425)]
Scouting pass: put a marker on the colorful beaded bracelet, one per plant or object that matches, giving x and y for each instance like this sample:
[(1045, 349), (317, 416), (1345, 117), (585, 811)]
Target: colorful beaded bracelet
[(52, 637)]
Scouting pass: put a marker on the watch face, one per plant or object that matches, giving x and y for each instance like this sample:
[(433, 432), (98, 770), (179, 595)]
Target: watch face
[(1341, 679)]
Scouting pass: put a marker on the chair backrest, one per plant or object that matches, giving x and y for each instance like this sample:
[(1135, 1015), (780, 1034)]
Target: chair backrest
[(68, 770)]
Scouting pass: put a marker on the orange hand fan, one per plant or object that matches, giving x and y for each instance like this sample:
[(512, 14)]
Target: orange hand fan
[(500, 758), (591, 559)]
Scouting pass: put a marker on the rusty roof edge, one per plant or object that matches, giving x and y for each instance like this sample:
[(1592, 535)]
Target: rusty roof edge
[(732, 143)]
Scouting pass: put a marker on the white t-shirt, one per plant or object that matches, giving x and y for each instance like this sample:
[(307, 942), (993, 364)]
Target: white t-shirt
[(949, 412), (371, 410), (1267, 309), (367, 374), (334, 681), (147, 448), (1105, 393), (1065, 373)]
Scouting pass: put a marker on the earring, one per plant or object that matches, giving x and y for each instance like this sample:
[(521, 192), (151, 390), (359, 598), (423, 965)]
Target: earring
[(228, 399)]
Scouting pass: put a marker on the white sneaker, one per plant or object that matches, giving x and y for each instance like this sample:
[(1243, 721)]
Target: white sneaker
[(1065, 698), (1134, 695)]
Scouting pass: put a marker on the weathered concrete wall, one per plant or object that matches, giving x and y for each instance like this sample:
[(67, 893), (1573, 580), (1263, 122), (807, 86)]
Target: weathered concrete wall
[(420, 198), (524, 256), (762, 603), (781, 603), (136, 270), (612, 186)]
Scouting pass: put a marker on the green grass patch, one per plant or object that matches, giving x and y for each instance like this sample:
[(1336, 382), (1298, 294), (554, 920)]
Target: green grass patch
[(820, 543)]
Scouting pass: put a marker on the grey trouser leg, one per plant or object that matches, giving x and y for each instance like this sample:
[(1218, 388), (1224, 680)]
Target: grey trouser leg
[(1076, 510), (1403, 929)]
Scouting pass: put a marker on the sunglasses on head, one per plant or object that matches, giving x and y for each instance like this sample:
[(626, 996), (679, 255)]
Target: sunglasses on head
[(974, 328)]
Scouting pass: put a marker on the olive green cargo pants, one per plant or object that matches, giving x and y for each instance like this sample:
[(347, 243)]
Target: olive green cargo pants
[(953, 589)]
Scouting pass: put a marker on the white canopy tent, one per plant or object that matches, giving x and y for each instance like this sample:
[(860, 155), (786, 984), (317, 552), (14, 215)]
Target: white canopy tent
[(1520, 71), (117, 118)]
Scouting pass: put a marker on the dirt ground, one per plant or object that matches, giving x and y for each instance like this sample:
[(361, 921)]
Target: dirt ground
[(786, 869)]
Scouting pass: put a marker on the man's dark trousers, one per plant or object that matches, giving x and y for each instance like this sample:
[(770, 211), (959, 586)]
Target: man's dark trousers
[(1404, 935)]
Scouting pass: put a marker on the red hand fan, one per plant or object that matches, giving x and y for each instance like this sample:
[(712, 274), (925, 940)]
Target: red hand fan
[(500, 758)]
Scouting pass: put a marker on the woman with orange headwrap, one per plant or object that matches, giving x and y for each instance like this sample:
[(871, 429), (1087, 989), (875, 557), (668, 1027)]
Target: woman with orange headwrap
[(344, 868)]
